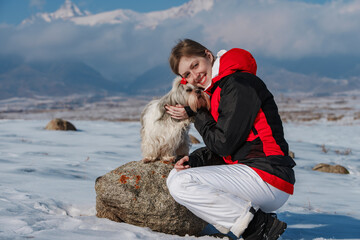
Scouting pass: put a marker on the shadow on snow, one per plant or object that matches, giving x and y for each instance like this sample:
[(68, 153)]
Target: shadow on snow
[(312, 225)]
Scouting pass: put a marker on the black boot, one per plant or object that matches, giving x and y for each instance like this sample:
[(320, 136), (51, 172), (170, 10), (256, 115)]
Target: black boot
[(264, 226)]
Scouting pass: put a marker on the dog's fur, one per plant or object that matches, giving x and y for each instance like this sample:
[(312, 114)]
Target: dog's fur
[(162, 137)]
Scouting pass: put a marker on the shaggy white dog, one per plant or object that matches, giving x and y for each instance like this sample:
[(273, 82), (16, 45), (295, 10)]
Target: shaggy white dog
[(162, 137)]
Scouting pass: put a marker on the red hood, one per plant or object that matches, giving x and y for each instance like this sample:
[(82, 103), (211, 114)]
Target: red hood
[(233, 60)]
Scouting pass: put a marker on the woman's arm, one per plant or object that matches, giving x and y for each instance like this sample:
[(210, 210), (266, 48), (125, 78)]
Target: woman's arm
[(238, 108), (204, 157), (200, 157)]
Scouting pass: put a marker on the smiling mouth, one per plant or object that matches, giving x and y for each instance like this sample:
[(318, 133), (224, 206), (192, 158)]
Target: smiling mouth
[(202, 80)]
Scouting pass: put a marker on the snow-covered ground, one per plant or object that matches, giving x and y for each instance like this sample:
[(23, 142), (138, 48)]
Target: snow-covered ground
[(47, 180)]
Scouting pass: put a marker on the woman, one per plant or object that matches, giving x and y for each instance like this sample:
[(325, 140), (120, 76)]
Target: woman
[(244, 172)]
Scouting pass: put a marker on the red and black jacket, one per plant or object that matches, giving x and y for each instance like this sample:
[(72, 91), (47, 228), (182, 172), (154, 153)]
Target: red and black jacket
[(243, 125)]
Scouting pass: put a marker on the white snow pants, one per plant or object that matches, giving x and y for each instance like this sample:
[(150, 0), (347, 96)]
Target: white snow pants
[(222, 195)]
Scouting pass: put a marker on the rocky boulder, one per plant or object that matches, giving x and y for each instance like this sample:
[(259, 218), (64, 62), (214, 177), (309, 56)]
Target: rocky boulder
[(136, 193), (60, 124), (323, 167)]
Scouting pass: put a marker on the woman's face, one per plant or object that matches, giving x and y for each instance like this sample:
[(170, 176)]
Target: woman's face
[(197, 70)]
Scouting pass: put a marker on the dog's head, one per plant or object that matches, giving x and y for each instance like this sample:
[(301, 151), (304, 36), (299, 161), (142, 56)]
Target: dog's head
[(186, 95), (180, 93)]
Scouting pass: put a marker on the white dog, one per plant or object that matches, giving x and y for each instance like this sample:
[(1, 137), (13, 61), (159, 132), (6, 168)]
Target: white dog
[(162, 137)]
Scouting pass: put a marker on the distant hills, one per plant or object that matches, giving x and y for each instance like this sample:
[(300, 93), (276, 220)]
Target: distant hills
[(19, 78), (282, 81), (51, 78), (154, 82)]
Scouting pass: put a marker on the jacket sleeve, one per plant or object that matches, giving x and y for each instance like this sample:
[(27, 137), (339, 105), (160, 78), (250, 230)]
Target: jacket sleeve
[(238, 107), (204, 157), (189, 112)]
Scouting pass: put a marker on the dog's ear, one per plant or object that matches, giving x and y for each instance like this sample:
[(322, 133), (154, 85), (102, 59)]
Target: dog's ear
[(176, 94), (161, 106), (168, 98), (171, 98), (207, 99), (176, 82), (193, 102)]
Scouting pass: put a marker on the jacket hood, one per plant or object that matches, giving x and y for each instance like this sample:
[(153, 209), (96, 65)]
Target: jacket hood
[(231, 61)]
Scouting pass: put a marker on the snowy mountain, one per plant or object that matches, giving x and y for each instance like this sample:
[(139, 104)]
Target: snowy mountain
[(67, 11), (70, 12)]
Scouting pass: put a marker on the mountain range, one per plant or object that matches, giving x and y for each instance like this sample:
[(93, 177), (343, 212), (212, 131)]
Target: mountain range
[(70, 12), (50, 78), (19, 78)]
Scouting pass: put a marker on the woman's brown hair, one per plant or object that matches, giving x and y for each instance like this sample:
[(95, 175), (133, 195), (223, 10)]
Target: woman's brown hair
[(187, 48)]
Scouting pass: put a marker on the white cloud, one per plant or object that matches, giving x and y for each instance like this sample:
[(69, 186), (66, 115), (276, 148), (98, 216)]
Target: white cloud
[(39, 4), (287, 29)]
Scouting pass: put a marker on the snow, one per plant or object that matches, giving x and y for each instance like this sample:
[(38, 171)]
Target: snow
[(70, 12), (47, 180), (144, 20), (67, 11), (110, 17)]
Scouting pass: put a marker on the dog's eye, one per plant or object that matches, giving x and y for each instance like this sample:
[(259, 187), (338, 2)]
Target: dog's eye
[(189, 90)]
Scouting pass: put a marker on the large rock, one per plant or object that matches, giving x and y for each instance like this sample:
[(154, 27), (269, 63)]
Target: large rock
[(60, 124), (323, 167), (136, 193)]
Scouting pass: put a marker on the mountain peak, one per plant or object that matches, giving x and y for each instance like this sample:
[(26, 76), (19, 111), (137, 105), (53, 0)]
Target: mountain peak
[(195, 6), (67, 11), (70, 12), (189, 9)]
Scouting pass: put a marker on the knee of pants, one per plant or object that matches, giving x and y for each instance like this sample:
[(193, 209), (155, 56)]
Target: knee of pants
[(177, 182)]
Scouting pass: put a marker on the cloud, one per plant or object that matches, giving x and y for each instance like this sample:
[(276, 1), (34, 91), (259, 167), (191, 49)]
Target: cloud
[(38, 4), (118, 51), (287, 29), (272, 29)]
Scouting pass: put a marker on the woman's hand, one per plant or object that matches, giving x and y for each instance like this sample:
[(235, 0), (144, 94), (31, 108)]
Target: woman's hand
[(176, 112), (179, 165)]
